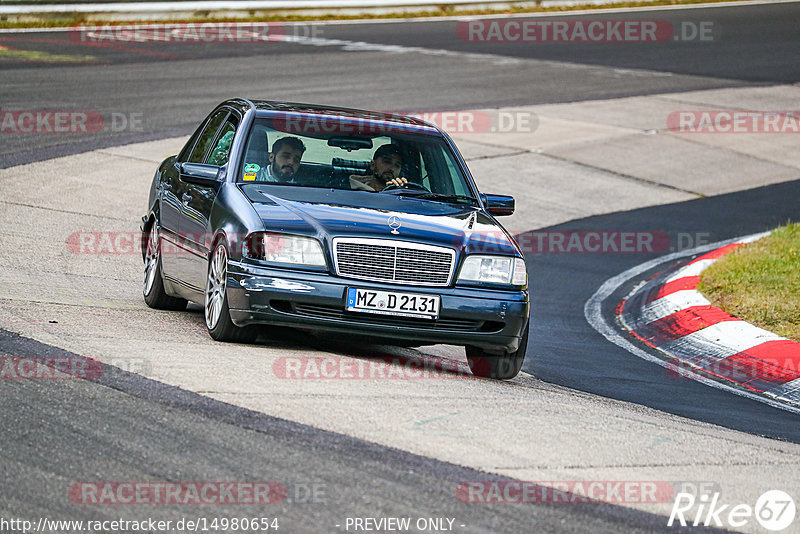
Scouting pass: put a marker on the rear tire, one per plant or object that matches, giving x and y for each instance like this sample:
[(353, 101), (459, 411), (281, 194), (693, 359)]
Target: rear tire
[(216, 312), (504, 367), (153, 288)]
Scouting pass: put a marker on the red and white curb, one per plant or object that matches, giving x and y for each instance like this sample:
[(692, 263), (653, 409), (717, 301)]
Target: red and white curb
[(696, 340)]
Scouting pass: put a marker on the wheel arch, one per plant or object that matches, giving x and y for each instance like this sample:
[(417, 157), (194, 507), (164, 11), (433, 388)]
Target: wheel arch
[(219, 236), (148, 222)]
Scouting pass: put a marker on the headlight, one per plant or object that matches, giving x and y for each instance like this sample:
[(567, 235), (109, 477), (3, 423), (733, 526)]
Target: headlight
[(282, 248), (494, 270)]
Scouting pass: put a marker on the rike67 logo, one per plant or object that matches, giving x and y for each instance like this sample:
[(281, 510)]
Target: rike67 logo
[(774, 510)]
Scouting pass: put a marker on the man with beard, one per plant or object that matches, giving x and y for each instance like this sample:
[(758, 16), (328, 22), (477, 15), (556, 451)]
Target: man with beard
[(284, 161), (384, 170)]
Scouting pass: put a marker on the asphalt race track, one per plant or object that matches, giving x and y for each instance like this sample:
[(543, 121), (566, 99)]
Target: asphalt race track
[(175, 82), (190, 409)]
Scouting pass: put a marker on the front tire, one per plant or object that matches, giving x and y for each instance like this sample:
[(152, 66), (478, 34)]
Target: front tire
[(153, 287), (504, 367), (217, 315)]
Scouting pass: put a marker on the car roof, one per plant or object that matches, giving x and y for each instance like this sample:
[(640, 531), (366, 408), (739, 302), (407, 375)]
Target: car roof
[(270, 107)]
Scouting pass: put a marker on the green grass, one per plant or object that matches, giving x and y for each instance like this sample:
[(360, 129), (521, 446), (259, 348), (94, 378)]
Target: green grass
[(760, 282), (52, 21)]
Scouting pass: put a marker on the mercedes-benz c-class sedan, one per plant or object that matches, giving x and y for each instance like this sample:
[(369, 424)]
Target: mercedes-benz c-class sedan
[(337, 220)]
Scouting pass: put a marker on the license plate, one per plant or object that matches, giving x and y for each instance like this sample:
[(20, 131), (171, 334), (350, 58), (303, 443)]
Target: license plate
[(391, 303)]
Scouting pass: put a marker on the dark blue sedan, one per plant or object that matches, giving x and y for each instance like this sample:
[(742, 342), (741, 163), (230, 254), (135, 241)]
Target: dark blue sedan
[(337, 220)]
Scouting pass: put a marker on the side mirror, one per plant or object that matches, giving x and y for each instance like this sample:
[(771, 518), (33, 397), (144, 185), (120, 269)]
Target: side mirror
[(498, 205), (198, 173)]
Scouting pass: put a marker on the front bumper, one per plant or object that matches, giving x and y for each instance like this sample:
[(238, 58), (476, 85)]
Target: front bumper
[(487, 318)]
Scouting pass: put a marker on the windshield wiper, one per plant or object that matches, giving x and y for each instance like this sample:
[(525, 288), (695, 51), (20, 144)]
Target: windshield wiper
[(441, 197)]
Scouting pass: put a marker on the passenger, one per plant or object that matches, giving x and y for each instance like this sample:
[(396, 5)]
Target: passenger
[(284, 161), (384, 170)]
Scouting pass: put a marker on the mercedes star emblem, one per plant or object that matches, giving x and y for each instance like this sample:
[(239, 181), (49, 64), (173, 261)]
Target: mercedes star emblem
[(394, 224)]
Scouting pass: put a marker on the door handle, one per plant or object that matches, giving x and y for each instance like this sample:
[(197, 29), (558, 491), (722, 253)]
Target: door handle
[(186, 198)]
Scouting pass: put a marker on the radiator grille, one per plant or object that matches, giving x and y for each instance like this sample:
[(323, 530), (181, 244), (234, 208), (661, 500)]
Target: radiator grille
[(394, 262)]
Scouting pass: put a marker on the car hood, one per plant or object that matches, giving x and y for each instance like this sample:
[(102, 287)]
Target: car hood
[(327, 214)]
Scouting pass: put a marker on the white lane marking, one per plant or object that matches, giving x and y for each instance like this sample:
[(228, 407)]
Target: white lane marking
[(345, 44), (456, 18), (362, 46), (719, 341), (789, 390), (592, 310), (495, 59), (751, 238), (693, 269), (669, 304)]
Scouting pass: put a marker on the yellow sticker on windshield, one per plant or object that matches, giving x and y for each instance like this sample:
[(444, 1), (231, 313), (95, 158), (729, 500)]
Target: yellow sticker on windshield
[(249, 177)]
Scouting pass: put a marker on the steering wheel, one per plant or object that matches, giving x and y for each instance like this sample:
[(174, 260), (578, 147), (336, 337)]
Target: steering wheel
[(409, 185)]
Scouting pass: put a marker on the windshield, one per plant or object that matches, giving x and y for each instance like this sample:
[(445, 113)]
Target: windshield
[(352, 155)]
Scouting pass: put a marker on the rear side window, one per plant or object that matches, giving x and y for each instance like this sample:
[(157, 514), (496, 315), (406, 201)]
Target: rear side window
[(206, 137)]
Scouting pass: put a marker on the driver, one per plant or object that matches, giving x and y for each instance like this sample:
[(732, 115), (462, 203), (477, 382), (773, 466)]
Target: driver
[(384, 170), (284, 161)]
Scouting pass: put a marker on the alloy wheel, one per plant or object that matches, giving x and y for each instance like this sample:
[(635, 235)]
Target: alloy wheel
[(215, 287)]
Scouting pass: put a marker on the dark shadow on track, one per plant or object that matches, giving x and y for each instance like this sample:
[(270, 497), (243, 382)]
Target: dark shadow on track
[(124, 427), (566, 350)]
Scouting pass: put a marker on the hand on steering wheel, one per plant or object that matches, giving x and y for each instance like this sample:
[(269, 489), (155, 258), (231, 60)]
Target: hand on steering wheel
[(403, 183)]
